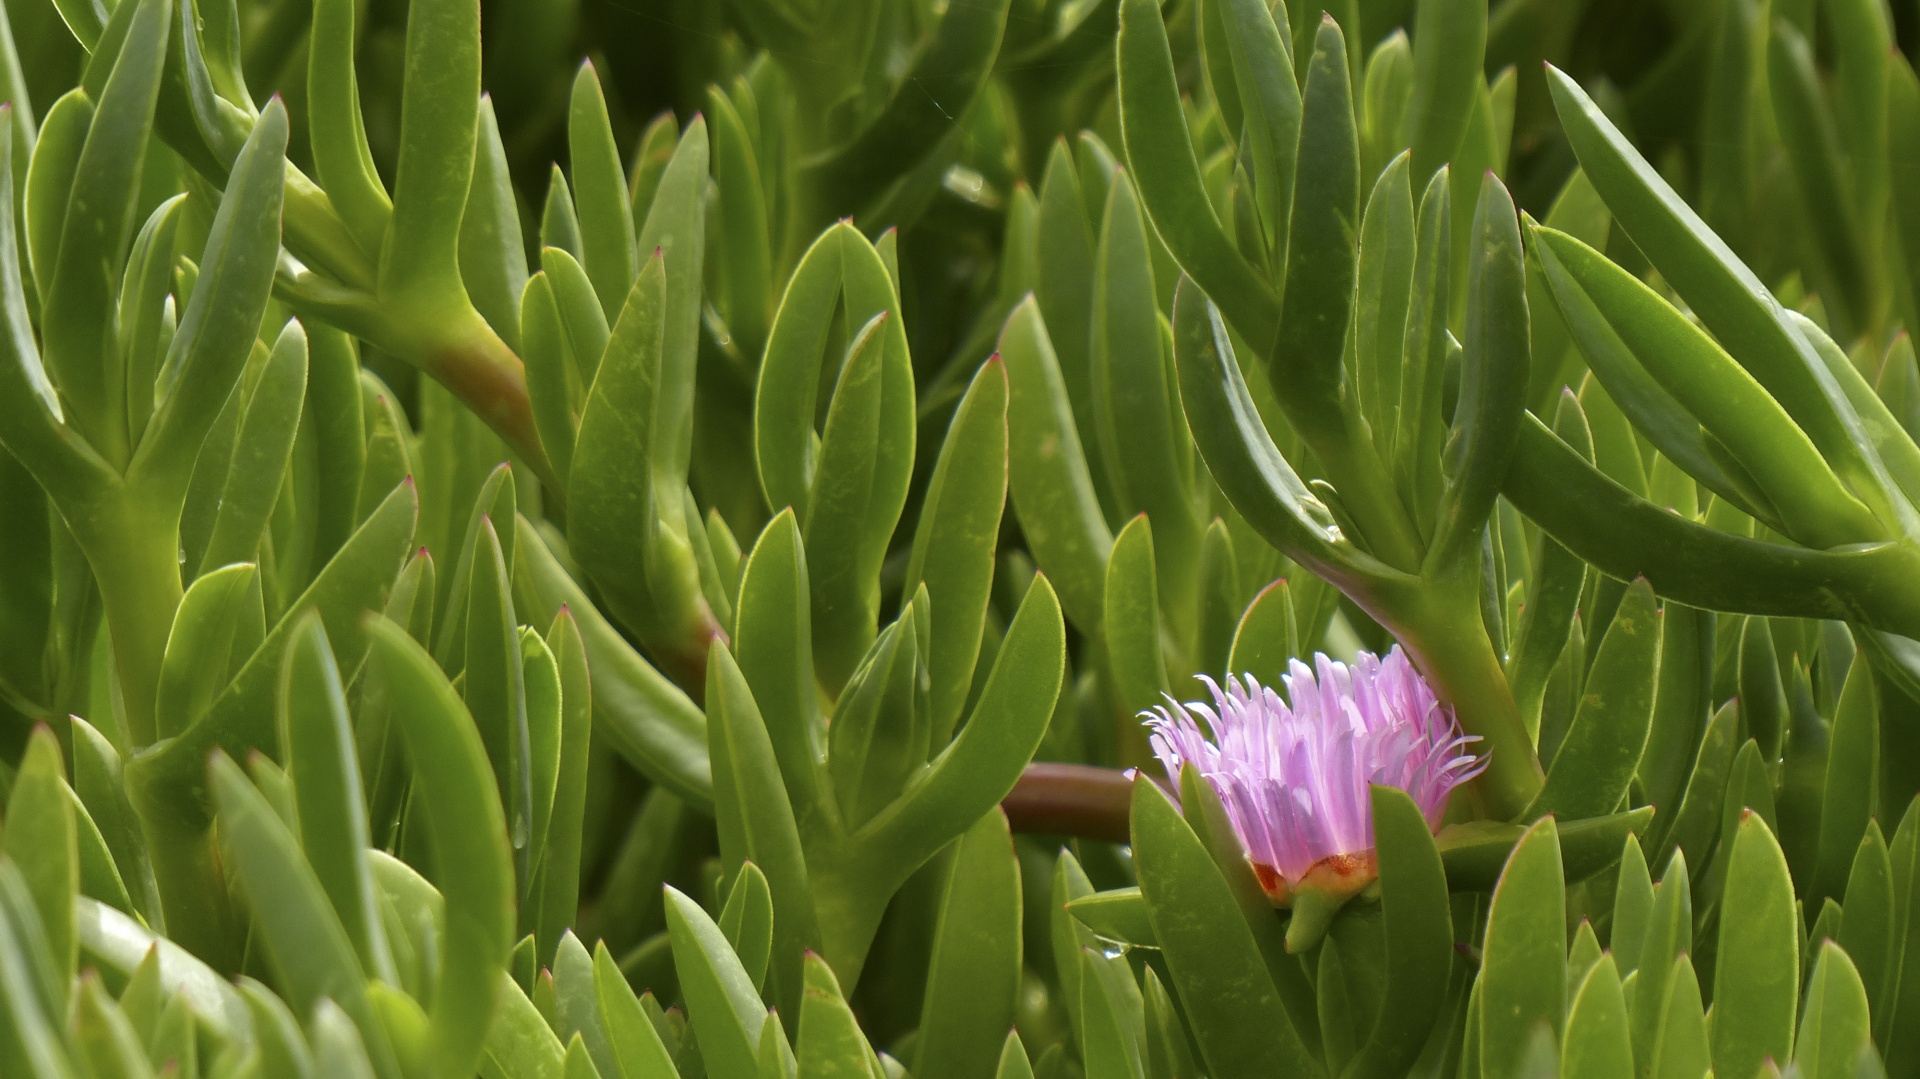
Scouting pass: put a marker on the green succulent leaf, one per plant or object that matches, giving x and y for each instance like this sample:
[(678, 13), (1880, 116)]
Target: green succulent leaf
[(756, 821), (473, 859), (1135, 661), (1169, 176), (954, 544), (977, 769), (1735, 307), (317, 739), (1596, 761), (40, 839), (1757, 979), (973, 979), (1418, 934), (1492, 379), (1833, 1030), (1523, 979), (1048, 474), (723, 1004), (1237, 1015), (644, 717)]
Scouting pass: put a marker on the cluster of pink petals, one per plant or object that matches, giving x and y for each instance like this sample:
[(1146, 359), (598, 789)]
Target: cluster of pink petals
[(1295, 779)]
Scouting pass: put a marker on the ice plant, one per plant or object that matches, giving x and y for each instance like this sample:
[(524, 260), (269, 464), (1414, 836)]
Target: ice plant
[(1294, 777), (881, 438)]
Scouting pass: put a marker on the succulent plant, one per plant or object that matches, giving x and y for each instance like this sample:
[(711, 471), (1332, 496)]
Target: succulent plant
[(559, 539)]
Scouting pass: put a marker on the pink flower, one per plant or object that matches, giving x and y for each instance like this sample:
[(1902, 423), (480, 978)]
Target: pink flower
[(1295, 779)]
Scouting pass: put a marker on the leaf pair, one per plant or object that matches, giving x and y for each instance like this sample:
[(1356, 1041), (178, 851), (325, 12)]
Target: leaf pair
[(838, 816), (847, 483), (1808, 448), (313, 894)]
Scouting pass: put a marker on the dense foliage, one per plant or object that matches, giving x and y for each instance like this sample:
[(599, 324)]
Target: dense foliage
[(690, 610)]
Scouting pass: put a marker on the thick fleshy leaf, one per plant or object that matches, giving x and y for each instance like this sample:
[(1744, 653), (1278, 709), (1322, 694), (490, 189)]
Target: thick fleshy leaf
[(1052, 488), (1866, 933), (1596, 1044), (600, 192), (1141, 433), (1493, 375), (304, 940), (1116, 914), (1851, 790), (1268, 98), (848, 484), (1681, 1046), (973, 976), (218, 327), (1240, 453), (1757, 977), (40, 839), (558, 901), (830, 1041), (472, 859), (747, 920), (316, 734), (519, 1041), (1626, 536), (722, 1003), (1448, 40), (1321, 260), (1418, 933), (1630, 336), (493, 251), (99, 224), (1009, 718), (1267, 636), (1523, 975), (945, 74), (493, 684), (1475, 852), (261, 451), (167, 782), (343, 163), (1112, 1017), (953, 545), (1133, 634), (625, 493), (213, 632), (1387, 250), (643, 716), (1169, 176), (675, 229), (439, 125), (746, 247), (1668, 936), (636, 1044), (1735, 307), (1596, 761), (1682, 705), (1232, 1004), (756, 820), (1834, 1025)]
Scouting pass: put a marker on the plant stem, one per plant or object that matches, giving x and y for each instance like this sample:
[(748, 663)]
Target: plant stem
[(470, 359), (316, 236), (136, 561), (450, 341), (1369, 495), (186, 869), (1071, 799), (1452, 650)]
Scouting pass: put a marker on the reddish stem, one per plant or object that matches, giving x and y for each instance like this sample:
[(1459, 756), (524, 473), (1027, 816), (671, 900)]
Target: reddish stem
[(1071, 799)]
